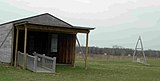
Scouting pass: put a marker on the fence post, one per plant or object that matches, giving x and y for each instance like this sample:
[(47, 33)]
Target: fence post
[(54, 64), (43, 60), (25, 46), (35, 63), (16, 48)]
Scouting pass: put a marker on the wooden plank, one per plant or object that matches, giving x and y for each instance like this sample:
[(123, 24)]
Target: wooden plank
[(86, 55), (12, 48), (74, 51), (64, 52), (63, 47), (43, 56), (66, 58), (35, 63), (48, 44), (54, 29), (70, 49), (60, 50), (16, 48), (25, 45)]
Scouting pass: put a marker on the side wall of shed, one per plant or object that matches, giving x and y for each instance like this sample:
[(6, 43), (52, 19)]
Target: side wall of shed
[(5, 49), (66, 48)]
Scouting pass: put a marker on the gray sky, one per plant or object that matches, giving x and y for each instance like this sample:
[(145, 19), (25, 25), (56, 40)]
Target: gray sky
[(117, 22)]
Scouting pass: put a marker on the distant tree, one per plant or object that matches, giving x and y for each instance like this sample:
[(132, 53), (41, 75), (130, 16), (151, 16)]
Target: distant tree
[(117, 50)]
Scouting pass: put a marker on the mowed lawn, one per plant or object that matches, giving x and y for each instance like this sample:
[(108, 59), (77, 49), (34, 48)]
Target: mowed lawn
[(98, 70)]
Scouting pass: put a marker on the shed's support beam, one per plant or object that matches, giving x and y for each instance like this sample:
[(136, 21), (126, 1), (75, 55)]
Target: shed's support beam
[(86, 55), (74, 51), (12, 62), (16, 48), (25, 45)]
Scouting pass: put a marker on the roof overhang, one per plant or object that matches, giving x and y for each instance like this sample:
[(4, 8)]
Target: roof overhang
[(47, 28)]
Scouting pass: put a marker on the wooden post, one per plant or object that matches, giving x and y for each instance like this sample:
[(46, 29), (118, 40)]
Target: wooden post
[(12, 62), (16, 48), (35, 63), (74, 51), (66, 58), (25, 45), (86, 55), (43, 61), (74, 56)]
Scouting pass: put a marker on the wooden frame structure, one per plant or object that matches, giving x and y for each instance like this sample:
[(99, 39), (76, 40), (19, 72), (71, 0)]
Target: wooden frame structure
[(16, 47), (45, 28), (140, 49), (36, 34), (86, 54)]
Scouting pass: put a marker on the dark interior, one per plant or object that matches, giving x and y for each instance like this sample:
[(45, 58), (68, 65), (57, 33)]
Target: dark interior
[(40, 42)]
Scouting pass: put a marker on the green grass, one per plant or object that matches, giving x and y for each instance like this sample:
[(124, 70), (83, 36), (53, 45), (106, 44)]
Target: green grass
[(99, 70)]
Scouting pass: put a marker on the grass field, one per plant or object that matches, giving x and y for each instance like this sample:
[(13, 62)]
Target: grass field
[(98, 70)]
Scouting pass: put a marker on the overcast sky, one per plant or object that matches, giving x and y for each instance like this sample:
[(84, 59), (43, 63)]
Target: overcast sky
[(117, 22)]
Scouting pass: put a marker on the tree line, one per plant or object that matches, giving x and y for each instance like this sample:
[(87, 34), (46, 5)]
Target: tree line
[(117, 51)]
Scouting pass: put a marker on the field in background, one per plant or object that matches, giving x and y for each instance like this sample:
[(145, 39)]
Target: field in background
[(100, 68), (152, 61)]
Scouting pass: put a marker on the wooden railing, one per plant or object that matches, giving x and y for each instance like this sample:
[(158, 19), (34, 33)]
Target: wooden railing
[(46, 62), (37, 61)]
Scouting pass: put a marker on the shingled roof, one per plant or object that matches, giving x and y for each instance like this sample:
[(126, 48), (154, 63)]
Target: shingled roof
[(44, 19)]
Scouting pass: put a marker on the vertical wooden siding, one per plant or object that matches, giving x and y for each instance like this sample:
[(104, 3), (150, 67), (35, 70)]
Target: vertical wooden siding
[(66, 48)]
